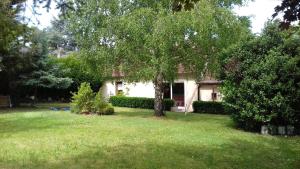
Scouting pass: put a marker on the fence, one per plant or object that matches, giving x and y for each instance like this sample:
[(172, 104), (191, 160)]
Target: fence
[(5, 101)]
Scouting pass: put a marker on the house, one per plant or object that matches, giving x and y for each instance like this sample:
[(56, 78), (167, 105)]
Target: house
[(183, 91)]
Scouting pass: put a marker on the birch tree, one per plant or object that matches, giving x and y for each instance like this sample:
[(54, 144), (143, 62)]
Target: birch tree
[(148, 41)]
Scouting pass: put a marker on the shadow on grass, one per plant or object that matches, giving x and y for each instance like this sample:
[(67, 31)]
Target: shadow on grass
[(26, 124), (19, 123), (37, 107), (20, 110), (178, 116), (232, 151), (235, 153)]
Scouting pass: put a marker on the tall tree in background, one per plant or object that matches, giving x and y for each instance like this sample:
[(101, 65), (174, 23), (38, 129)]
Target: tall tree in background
[(181, 5), (10, 28), (24, 54), (42, 74), (147, 41), (11, 45), (60, 40), (74, 67), (290, 10)]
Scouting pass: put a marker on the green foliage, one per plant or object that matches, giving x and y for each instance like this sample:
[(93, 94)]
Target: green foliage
[(290, 10), (43, 73), (209, 107), (262, 79), (108, 110), (83, 100), (10, 27), (27, 67), (59, 38), (180, 5), (121, 93), (24, 63), (99, 103), (101, 107), (76, 69), (138, 102), (168, 103), (147, 40), (46, 79)]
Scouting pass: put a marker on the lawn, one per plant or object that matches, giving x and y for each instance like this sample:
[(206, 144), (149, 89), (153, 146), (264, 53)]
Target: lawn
[(133, 138)]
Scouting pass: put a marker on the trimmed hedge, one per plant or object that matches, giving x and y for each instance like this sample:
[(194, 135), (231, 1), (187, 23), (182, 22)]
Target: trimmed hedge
[(138, 102), (209, 107)]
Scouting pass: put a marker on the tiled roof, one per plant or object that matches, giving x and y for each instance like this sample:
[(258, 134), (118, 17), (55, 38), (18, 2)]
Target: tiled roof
[(117, 74), (209, 82)]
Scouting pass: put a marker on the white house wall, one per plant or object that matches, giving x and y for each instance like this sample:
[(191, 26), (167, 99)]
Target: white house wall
[(109, 89), (191, 94), (141, 89), (130, 89), (206, 91)]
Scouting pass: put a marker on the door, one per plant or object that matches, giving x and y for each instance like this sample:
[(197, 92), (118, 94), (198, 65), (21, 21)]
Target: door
[(178, 94)]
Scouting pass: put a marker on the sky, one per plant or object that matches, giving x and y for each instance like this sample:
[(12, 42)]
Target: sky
[(259, 11), (43, 18)]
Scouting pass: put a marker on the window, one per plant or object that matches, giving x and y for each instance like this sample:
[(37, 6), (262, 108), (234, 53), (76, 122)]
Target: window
[(167, 91), (119, 88), (214, 96)]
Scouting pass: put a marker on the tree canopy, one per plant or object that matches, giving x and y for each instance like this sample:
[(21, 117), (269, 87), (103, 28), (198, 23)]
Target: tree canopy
[(76, 69), (59, 38), (147, 41), (179, 5), (290, 10)]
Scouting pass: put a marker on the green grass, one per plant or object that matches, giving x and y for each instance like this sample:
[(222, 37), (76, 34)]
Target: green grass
[(133, 138)]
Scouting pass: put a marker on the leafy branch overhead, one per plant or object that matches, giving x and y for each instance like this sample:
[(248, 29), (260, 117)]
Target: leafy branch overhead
[(290, 10), (181, 5), (148, 41)]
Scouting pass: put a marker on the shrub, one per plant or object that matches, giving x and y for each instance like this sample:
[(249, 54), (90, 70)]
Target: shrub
[(168, 103), (99, 104), (109, 110), (101, 107), (82, 101), (262, 80), (138, 102), (208, 107), (85, 101)]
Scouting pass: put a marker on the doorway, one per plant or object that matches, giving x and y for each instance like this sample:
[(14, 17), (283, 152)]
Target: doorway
[(178, 94), (167, 91)]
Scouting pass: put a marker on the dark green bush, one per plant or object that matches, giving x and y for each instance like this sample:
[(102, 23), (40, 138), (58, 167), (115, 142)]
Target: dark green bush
[(261, 79), (138, 102), (209, 107), (168, 103)]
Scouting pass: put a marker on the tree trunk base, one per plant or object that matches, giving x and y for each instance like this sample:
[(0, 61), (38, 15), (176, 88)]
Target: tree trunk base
[(160, 114), (158, 100)]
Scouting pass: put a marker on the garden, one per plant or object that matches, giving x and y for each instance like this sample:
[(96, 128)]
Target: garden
[(65, 99), (133, 138)]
